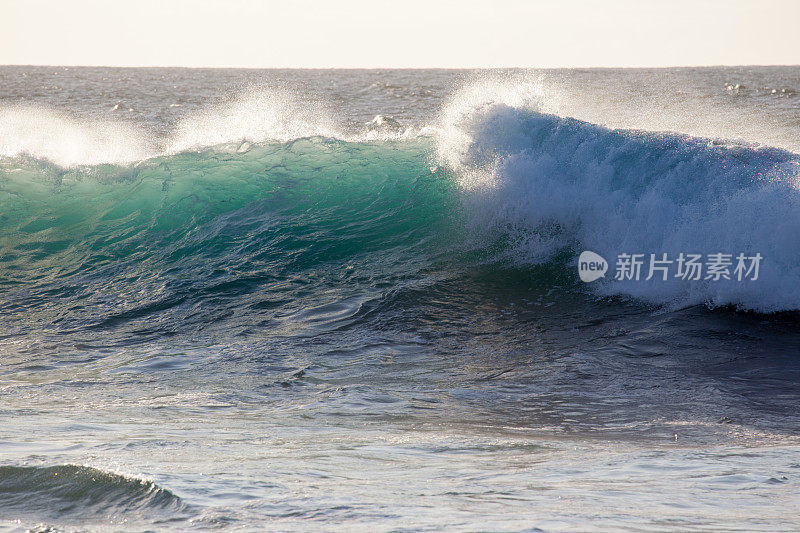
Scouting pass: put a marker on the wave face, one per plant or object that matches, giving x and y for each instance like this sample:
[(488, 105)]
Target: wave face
[(58, 492), (496, 174), (198, 236)]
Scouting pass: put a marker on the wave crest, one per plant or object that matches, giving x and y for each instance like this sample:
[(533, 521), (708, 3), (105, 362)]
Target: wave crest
[(256, 116), (65, 490)]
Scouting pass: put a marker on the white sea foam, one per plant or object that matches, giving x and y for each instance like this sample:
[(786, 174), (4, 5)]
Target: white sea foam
[(549, 184)]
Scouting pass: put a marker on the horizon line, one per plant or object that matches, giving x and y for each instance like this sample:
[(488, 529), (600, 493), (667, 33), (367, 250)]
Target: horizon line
[(611, 67)]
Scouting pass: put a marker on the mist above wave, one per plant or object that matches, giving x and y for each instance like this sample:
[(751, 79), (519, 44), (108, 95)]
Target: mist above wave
[(55, 136), (255, 116), (275, 113)]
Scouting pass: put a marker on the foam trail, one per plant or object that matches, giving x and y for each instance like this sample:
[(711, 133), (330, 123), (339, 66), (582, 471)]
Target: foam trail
[(549, 184)]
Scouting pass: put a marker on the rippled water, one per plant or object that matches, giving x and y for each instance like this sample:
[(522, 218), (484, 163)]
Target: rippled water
[(292, 300)]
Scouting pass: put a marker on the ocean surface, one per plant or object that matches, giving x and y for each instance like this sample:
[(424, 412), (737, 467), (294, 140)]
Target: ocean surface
[(349, 300)]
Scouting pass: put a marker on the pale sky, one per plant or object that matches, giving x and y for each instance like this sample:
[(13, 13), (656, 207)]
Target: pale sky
[(410, 33)]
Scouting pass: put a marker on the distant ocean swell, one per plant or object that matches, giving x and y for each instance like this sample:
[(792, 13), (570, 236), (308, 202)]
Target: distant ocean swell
[(126, 226)]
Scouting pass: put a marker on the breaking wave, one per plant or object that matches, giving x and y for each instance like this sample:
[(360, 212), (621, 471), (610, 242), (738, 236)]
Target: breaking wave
[(551, 184), (269, 187)]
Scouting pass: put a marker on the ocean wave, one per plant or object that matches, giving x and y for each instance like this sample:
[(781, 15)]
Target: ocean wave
[(63, 491), (268, 181), (200, 235)]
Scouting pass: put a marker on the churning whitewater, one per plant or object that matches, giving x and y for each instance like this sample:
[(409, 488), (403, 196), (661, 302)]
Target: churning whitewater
[(496, 173)]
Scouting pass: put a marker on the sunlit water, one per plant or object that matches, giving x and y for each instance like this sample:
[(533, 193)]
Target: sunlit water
[(293, 300)]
